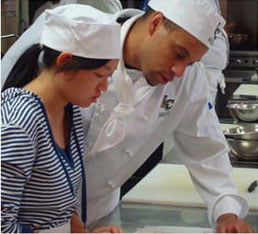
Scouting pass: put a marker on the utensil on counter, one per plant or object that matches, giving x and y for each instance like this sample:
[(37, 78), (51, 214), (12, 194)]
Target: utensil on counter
[(244, 149), (244, 132), (252, 186), (243, 110)]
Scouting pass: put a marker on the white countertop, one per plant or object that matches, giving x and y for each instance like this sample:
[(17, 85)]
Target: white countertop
[(170, 184)]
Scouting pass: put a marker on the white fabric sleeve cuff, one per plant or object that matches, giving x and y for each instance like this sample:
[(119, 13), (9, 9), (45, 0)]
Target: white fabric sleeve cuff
[(230, 204)]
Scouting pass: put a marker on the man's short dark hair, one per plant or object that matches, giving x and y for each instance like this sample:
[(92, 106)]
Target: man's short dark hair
[(169, 25)]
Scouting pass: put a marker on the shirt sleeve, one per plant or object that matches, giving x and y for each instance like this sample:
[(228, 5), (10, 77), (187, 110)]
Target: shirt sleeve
[(17, 157), (203, 148)]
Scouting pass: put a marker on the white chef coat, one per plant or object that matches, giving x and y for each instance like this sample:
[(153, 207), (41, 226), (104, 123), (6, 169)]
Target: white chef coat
[(181, 107)]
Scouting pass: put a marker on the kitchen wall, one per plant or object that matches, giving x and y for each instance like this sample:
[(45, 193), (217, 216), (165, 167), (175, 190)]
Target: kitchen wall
[(14, 20)]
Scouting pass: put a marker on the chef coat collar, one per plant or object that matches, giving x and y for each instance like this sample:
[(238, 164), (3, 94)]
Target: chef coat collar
[(134, 74)]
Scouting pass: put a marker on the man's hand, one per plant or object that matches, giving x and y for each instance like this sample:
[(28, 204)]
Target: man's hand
[(231, 223)]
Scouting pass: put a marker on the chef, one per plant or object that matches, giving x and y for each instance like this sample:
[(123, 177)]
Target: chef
[(160, 88), (216, 59)]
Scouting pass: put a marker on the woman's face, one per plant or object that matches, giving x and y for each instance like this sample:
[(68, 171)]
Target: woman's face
[(84, 87)]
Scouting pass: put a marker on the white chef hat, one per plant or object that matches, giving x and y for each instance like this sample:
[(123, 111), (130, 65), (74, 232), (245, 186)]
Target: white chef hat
[(82, 30), (195, 16)]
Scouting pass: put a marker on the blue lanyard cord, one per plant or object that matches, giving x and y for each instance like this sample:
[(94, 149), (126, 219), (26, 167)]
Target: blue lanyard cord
[(54, 144), (84, 187), (83, 202), (84, 209), (65, 170)]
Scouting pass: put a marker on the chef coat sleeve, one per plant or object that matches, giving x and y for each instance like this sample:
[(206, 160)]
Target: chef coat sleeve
[(17, 157), (203, 148)]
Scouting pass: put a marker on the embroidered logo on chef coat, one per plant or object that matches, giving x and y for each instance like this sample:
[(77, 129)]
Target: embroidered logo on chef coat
[(166, 106), (216, 33)]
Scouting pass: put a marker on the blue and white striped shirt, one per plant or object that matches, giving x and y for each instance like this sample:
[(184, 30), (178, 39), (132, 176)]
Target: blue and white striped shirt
[(40, 182)]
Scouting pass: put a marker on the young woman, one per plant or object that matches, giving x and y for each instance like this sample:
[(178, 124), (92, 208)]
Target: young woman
[(41, 131)]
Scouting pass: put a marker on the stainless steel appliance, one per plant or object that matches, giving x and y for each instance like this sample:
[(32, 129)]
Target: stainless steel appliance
[(241, 17), (242, 69), (241, 108)]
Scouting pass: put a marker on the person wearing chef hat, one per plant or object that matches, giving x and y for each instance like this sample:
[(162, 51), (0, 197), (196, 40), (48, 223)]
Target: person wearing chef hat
[(163, 89), (41, 128), (108, 6), (159, 88), (216, 59)]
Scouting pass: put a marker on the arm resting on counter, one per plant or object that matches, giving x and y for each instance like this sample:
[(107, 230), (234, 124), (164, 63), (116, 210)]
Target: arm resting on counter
[(203, 149)]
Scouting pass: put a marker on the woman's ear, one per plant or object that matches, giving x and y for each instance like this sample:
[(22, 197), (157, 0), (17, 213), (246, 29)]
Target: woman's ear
[(63, 58)]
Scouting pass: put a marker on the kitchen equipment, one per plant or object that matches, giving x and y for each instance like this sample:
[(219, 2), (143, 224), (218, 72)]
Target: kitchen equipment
[(241, 74), (243, 140), (244, 110), (246, 132), (252, 186), (244, 149)]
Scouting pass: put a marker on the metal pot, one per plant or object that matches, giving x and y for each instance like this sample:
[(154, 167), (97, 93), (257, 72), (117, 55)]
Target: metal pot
[(243, 111), (245, 132), (244, 149)]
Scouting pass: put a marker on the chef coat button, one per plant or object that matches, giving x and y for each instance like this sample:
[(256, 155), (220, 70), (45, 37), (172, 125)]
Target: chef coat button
[(102, 109), (128, 152), (88, 144), (111, 184), (144, 117)]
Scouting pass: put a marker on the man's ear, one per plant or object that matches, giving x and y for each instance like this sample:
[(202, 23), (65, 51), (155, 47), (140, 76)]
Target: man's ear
[(63, 58), (156, 20)]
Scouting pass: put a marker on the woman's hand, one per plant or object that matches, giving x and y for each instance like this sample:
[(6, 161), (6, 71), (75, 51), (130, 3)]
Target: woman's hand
[(77, 225), (108, 229)]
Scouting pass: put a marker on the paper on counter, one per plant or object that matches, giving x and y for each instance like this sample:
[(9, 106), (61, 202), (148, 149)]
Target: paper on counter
[(246, 89), (172, 186), (173, 229)]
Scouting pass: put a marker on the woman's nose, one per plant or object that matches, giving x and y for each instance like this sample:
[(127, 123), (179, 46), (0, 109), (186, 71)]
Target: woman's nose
[(103, 84), (178, 69)]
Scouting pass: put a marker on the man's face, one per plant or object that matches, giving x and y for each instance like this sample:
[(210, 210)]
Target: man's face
[(167, 53)]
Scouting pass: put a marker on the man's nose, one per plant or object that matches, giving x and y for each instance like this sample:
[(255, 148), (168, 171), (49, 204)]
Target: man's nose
[(178, 69)]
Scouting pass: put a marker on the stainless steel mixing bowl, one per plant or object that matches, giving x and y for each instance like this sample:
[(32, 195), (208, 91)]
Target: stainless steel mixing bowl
[(244, 149), (244, 132), (244, 111)]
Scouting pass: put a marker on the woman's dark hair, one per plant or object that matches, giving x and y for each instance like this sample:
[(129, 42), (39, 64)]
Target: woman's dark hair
[(26, 68)]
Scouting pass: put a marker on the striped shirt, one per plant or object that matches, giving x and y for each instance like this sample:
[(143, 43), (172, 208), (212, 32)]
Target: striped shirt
[(40, 182)]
